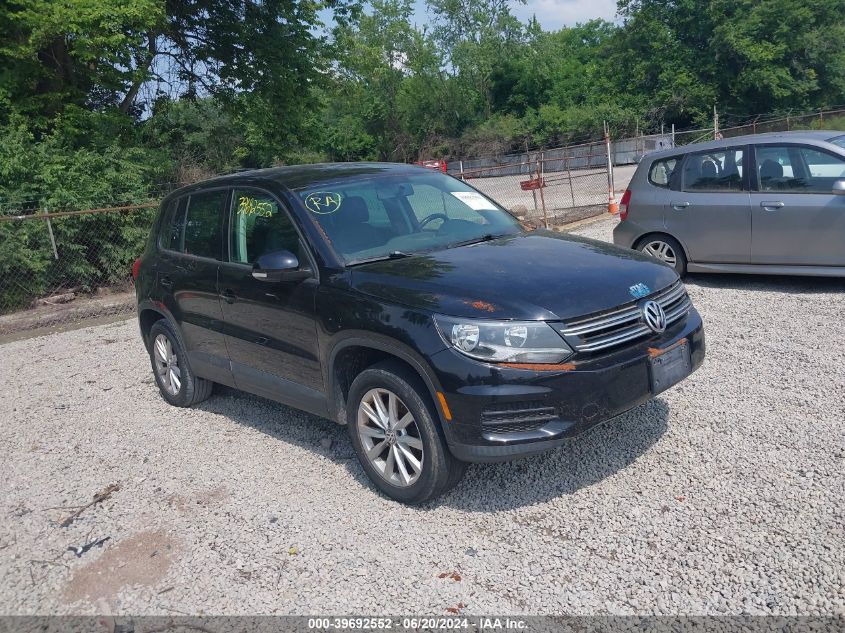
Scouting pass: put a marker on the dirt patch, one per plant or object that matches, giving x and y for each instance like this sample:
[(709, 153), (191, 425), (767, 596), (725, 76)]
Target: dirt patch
[(208, 498), (78, 310), (142, 559)]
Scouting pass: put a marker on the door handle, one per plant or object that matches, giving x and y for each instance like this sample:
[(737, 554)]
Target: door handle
[(772, 205), (229, 295), (679, 206), (166, 282)]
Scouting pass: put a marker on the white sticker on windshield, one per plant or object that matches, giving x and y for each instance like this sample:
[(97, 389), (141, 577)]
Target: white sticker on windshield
[(474, 200)]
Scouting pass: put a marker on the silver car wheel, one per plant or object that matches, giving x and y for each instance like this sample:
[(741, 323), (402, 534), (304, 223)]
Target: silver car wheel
[(167, 364), (662, 251), (390, 437)]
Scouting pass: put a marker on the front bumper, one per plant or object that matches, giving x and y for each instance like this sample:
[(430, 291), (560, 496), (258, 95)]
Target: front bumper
[(500, 413)]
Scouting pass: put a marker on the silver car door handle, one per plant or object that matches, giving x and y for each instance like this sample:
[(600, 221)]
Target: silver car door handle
[(679, 206), (772, 205)]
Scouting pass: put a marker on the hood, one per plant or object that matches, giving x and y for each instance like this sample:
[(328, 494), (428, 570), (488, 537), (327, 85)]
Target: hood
[(530, 276)]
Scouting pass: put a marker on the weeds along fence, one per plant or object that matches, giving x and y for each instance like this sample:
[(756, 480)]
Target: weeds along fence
[(551, 186), (70, 264)]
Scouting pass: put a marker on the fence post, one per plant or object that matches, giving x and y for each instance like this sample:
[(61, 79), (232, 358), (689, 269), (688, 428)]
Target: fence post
[(52, 237), (461, 164), (715, 124), (569, 175), (612, 207), (673, 135), (542, 198)]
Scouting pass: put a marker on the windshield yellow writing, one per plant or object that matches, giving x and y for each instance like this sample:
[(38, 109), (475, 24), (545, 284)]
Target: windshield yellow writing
[(251, 206), (323, 202)]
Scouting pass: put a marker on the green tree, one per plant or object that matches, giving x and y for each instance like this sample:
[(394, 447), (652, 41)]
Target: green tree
[(477, 34)]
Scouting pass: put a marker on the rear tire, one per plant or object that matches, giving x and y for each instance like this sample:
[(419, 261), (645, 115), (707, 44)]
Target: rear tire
[(395, 434), (173, 375), (665, 249)]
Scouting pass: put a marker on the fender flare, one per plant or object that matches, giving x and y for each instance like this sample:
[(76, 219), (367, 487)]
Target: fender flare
[(385, 344), (640, 238), (159, 308)]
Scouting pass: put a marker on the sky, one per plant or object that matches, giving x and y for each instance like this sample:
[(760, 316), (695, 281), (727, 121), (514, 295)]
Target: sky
[(552, 14)]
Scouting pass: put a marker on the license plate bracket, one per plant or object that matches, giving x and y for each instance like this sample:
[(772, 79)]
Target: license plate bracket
[(670, 367)]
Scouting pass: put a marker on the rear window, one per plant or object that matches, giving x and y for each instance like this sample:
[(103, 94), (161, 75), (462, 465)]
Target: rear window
[(204, 224), (661, 171), (173, 226)]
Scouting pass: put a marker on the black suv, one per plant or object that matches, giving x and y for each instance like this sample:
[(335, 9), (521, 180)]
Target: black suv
[(410, 307)]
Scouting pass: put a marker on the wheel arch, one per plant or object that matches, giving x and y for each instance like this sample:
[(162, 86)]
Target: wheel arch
[(642, 238), (350, 356), (148, 313)]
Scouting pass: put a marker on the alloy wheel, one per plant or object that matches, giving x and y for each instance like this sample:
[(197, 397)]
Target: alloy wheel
[(390, 437), (167, 364), (661, 250)]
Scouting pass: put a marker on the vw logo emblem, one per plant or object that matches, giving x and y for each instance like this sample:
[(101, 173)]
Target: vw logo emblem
[(654, 316)]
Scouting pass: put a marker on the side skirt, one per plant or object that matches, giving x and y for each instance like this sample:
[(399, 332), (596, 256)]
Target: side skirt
[(767, 269), (287, 392)]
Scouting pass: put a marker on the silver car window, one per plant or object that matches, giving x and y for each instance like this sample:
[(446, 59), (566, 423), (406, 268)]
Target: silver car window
[(661, 171), (715, 170), (797, 169)]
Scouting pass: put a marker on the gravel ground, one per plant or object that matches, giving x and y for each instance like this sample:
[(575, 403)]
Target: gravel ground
[(723, 495)]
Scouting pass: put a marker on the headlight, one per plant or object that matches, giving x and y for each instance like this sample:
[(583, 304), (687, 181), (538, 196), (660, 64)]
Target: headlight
[(503, 341)]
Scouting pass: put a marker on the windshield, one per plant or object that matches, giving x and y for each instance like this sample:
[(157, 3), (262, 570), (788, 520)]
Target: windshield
[(837, 140), (395, 215)]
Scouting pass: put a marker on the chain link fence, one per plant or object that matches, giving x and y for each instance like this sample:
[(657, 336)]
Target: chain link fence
[(62, 267), (628, 151), (548, 187), (65, 266)]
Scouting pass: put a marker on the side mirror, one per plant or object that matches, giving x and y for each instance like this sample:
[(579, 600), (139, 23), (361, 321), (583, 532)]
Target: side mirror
[(839, 187), (279, 266)]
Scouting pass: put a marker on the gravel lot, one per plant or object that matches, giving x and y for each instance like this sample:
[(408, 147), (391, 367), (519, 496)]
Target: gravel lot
[(724, 495)]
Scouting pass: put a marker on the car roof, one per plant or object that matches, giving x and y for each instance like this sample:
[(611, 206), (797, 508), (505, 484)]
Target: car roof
[(793, 136), (306, 176)]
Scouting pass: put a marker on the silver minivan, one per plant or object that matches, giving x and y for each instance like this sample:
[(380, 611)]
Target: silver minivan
[(769, 203)]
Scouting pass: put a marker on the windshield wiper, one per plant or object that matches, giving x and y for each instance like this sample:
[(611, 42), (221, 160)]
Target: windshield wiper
[(487, 237), (381, 258)]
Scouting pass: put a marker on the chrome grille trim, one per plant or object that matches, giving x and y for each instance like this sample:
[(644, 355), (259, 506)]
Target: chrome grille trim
[(625, 324)]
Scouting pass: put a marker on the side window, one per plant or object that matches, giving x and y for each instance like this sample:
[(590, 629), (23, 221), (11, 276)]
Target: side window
[(718, 170), (260, 226), (823, 169), (204, 224), (173, 226), (796, 169), (661, 171), (774, 168)]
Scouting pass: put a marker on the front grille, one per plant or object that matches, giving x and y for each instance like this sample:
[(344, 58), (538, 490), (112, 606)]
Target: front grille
[(516, 417), (625, 324)]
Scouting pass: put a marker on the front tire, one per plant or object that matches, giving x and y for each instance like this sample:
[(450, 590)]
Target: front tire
[(394, 433), (176, 382), (665, 249)]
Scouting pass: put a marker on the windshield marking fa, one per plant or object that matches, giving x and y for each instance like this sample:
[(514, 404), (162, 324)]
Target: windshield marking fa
[(323, 202)]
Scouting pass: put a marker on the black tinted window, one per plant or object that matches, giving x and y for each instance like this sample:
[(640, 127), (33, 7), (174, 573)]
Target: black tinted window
[(260, 226), (172, 225), (717, 170), (203, 224)]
